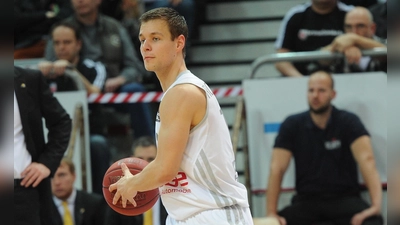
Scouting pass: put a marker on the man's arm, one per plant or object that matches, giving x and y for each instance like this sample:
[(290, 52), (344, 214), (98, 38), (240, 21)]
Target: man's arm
[(364, 156), (344, 41), (279, 164), (287, 68), (58, 124), (182, 108)]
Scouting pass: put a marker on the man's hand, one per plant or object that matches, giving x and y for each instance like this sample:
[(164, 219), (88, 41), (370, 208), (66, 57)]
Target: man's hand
[(124, 190), (361, 216), (281, 220), (353, 55), (46, 67), (114, 83), (59, 67), (344, 41), (34, 174)]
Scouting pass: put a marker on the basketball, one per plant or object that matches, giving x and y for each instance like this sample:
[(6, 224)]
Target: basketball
[(144, 200)]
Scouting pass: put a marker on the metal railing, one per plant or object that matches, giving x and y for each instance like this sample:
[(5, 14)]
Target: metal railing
[(307, 56)]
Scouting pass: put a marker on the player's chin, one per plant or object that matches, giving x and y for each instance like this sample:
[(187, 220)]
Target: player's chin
[(149, 67)]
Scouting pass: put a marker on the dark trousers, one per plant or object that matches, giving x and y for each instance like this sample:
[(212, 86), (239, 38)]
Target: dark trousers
[(26, 205), (332, 210)]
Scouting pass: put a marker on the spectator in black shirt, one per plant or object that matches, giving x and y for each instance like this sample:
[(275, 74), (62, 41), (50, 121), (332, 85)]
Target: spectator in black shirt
[(327, 144), (309, 27)]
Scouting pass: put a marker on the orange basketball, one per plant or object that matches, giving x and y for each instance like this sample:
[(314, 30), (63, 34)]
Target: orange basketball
[(144, 200)]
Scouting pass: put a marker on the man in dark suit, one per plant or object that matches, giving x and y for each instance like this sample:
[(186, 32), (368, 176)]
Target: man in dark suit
[(72, 206), (35, 160), (143, 148)]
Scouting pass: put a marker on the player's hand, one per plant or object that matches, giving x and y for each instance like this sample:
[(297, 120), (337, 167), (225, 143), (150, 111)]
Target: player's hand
[(59, 67), (359, 218), (114, 83), (344, 41), (45, 67), (34, 174), (123, 189), (353, 55)]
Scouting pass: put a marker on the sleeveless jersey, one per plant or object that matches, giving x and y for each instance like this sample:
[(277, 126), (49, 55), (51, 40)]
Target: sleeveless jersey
[(207, 178)]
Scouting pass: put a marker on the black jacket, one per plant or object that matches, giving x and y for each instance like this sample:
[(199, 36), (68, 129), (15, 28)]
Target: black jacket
[(36, 102), (89, 209)]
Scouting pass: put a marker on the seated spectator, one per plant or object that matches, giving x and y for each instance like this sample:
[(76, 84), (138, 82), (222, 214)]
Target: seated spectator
[(72, 206), (67, 43), (143, 148), (106, 40), (360, 30), (309, 27), (379, 13), (32, 22), (327, 145)]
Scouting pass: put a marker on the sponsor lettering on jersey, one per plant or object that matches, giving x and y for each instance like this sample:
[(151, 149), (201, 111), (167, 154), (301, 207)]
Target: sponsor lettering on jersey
[(177, 184)]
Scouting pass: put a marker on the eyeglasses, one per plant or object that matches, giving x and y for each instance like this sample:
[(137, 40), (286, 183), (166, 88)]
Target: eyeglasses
[(356, 26)]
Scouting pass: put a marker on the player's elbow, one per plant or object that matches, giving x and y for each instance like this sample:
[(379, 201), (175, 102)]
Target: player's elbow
[(166, 176)]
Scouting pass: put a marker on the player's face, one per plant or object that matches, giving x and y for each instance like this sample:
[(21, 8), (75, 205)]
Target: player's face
[(359, 24), (158, 49), (63, 182), (146, 153), (65, 44), (320, 93)]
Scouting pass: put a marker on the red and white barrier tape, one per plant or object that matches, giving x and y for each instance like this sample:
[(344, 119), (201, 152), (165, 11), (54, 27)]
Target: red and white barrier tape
[(115, 98)]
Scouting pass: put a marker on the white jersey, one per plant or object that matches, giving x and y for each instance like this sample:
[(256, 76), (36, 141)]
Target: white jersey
[(207, 178)]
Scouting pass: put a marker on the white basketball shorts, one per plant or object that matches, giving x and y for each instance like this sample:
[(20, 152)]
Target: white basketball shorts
[(230, 215)]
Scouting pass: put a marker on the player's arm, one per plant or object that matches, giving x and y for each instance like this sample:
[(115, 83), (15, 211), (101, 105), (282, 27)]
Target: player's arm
[(181, 108), (363, 154), (279, 163), (287, 68)]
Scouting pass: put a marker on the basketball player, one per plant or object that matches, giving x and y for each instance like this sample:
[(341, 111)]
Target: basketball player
[(195, 164)]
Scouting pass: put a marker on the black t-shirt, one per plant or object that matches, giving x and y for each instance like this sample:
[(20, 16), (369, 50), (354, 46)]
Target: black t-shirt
[(303, 29), (323, 159), (95, 73)]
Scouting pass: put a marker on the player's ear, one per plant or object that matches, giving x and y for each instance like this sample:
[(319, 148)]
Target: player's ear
[(181, 41)]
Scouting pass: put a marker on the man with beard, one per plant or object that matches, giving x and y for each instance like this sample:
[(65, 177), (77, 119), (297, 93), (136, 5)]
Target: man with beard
[(327, 145)]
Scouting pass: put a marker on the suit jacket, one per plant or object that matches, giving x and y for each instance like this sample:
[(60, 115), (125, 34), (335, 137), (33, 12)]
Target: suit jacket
[(35, 102), (114, 218), (90, 209)]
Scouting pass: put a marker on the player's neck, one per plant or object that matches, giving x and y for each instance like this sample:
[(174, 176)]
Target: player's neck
[(168, 76)]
